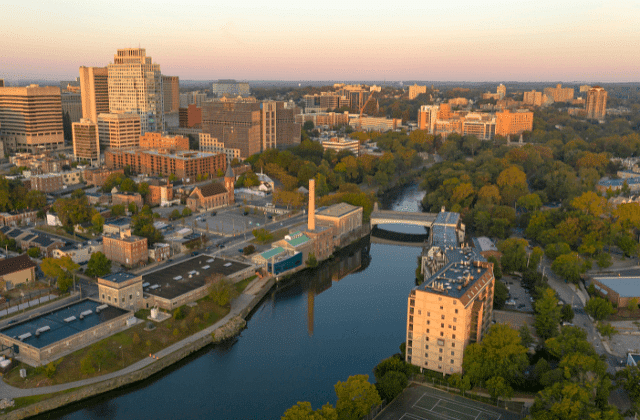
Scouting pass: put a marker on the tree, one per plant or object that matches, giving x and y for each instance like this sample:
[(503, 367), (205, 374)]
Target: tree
[(632, 305), (569, 266), (311, 260), (500, 353), (356, 397), (531, 202), (36, 199), (629, 379), (248, 250), (33, 252), (132, 207), (513, 185), (547, 314), (461, 382), (308, 126), (606, 330), (567, 313), (500, 295), (514, 254), (99, 265), (599, 308), (391, 385), (570, 340), (303, 411), (222, 292), (262, 235), (175, 214), (98, 222), (60, 269), (498, 388), (117, 210), (186, 212), (525, 336), (497, 270)]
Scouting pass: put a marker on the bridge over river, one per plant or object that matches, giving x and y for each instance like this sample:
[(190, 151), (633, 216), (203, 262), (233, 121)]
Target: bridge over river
[(382, 217)]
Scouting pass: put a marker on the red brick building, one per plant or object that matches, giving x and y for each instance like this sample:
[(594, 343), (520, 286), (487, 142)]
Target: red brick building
[(208, 197), (159, 192), (126, 250), (98, 176), (125, 198), (183, 164), (152, 140)]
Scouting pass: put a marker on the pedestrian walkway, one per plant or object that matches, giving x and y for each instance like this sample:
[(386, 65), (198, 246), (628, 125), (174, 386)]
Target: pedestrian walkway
[(237, 306)]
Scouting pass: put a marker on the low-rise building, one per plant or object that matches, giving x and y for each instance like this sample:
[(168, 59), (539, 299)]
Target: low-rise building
[(618, 290), (151, 140), (97, 176), (47, 183), (16, 270), (124, 198), (125, 249), (344, 218), (72, 177), (79, 253), (339, 144), (159, 252), (159, 192), (16, 218), (45, 244), (123, 290)]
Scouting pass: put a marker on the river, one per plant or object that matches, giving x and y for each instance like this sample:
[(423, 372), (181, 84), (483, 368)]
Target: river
[(312, 331)]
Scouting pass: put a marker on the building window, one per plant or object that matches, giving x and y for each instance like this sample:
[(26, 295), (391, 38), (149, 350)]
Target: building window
[(453, 353), (419, 312), (410, 318), (427, 330), (130, 297), (441, 308), (441, 325), (456, 311), (103, 296), (409, 359), (428, 322), (426, 363), (454, 328), (410, 327), (454, 336), (427, 338), (412, 302), (411, 311), (441, 334), (441, 316), (123, 300), (409, 350), (426, 355), (441, 342), (410, 335), (441, 350), (428, 313), (440, 359), (451, 361), (109, 298), (427, 347), (453, 344), (410, 342), (455, 319)]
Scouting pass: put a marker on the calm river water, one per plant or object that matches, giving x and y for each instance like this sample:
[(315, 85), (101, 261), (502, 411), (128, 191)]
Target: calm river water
[(318, 328)]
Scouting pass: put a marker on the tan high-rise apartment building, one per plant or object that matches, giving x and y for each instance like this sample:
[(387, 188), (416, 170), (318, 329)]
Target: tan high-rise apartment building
[(501, 91), (94, 92), (449, 311), (171, 91), (416, 90), (31, 118), (513, 123), (532, 98), (85, 141), (135, 86), (427, 116), (596, 103), (559, 94), (119, 131), (279, 128)]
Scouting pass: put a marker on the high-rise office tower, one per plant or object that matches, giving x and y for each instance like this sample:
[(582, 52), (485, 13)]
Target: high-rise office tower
[(85, 141), (94, 92), (230, 88), (119, 131), (171, 91), (31, 118), (135, 86), (427, 116), (501, 91), (596, 103)]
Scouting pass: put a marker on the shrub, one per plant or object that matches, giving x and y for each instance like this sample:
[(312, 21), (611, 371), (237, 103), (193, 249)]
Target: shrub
[(179, 313), (205, 316), (148, 343), (50, 370), (136, 338), (176, 332)]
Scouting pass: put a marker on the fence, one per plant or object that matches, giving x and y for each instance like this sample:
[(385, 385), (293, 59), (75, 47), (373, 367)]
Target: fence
[(375, 411), (26, 300)]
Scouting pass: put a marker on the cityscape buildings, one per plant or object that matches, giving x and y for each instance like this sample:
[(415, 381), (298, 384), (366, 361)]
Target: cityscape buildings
[(559, 94), (119, 131), (596, 105), (416, 90), (94, 92), (135, 86), (230, 87), (171, 92), (31, 118), (85, 141)]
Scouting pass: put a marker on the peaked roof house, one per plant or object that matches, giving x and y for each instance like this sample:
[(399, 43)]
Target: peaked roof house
[(17, 270), (208, 197)]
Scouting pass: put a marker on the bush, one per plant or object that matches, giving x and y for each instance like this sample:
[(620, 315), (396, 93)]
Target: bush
[(176, 332), (50, 370), (392, 384), (179, 313), (248, 250), (136, 338)]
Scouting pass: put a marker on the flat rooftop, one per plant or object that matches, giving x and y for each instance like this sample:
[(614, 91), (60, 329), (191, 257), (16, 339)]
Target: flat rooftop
[(337, 210), (624, 286), (173, 281), (119, 277), (59, 328)]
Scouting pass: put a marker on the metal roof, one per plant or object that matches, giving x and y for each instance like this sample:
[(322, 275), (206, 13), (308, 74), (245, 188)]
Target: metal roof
[(624, 286), (272, 252)]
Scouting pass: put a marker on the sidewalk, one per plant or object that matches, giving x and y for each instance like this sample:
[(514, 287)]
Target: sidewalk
[(239, 304)]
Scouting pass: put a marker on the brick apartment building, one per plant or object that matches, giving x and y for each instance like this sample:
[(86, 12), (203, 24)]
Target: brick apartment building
[(125, 198), (159, 192), (158, 141), (98, 176), (190, 116), (47, 183), (513, 123), (184, 164), (128, 250)]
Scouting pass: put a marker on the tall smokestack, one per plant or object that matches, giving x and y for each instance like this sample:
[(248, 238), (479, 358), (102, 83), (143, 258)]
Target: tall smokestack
[(311, 224)]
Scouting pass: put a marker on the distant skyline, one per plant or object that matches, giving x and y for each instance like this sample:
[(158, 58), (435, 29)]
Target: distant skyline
[(457, 40)]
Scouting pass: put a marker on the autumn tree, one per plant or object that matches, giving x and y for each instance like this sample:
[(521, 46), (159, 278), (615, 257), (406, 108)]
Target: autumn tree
[(356, 397), (547, 314)]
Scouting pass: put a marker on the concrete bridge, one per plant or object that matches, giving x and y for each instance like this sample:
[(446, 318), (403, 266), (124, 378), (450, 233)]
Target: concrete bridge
[(381, 217)]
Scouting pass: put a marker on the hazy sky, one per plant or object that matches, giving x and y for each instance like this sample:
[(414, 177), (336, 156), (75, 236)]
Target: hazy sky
[(447, 40)]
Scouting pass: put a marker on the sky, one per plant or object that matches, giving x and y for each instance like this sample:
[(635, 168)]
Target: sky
[(446, 40)]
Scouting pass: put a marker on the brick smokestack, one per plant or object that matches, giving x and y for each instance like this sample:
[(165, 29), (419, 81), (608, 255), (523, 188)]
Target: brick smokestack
[(311, 224)]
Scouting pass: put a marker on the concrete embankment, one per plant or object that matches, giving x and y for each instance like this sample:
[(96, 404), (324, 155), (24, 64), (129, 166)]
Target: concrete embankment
[(234, 325)]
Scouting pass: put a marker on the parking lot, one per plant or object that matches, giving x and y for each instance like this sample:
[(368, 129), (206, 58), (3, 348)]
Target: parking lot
[(519, 298), (229, 221)]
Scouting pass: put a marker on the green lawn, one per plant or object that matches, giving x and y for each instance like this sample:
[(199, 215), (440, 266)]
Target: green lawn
[(25, 401), (241, 285)]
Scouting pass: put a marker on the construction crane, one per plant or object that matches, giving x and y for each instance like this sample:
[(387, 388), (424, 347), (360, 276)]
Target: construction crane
[(362, 109)]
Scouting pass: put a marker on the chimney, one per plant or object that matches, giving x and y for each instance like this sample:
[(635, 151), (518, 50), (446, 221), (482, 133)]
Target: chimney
[(311, 224)]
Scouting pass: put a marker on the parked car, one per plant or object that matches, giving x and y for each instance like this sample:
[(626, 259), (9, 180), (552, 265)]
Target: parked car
[(213, 213)]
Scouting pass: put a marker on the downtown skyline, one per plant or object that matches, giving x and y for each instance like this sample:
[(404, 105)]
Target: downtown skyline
[(458, 41)]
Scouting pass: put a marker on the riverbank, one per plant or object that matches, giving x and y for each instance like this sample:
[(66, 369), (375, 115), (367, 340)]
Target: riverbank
[(228, 327)]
